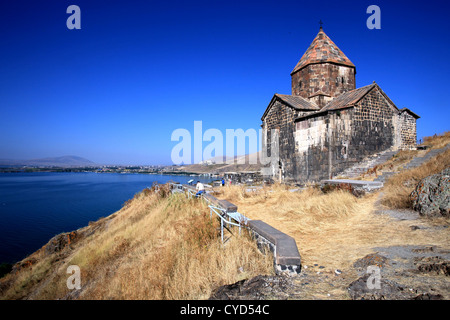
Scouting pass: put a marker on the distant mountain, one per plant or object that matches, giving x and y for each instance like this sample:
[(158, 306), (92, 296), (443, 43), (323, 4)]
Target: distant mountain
[(64, 161)]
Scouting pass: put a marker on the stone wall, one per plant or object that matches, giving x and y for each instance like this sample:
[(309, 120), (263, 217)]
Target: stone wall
[(281, 118), (328, 78), (328, 143), (316, 146), (407, 130), (373, 126), (311, 149)]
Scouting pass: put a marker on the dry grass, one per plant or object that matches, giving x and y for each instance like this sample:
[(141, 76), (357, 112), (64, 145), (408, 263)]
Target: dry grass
[(332, 229), (401, 158), (157, 247), (437, 141), (399, 187)]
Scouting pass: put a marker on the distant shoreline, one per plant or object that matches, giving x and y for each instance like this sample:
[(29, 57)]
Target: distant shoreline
[(133, 170), (36, 206)]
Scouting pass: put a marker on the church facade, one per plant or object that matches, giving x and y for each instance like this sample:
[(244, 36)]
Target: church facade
[(327, 124)]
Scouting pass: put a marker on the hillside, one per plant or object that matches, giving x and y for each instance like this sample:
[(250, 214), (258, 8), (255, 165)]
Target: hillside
[(163, 246), (63, 161), (220, 165), (156, 247)]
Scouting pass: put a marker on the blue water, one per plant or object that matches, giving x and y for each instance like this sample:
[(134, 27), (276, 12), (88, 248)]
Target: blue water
[(34, 207)]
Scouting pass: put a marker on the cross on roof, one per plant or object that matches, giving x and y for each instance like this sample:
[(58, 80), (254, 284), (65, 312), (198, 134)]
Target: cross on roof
[(321, 23)]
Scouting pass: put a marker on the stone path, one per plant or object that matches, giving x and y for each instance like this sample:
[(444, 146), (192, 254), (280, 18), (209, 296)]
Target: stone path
[(415, 162)]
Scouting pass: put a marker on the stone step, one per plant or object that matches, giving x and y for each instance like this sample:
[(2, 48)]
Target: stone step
[(421, 160), (369, 163), (415, 162), (359, 184)]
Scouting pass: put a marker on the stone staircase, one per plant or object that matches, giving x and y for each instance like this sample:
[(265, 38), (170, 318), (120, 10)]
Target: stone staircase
[(375, 160), (367, 164), (415, 162)]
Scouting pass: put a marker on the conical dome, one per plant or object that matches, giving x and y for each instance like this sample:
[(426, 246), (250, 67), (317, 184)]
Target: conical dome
[(323, 50)]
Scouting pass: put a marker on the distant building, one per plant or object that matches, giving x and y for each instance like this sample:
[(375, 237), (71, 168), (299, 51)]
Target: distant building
[(327, 125), (207, 162)]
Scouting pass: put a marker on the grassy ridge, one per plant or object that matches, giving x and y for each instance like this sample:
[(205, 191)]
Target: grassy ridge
[(158, 246), (399, 187)]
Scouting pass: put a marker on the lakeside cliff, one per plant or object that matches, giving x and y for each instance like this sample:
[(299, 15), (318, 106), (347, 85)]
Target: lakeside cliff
[(158, 246)]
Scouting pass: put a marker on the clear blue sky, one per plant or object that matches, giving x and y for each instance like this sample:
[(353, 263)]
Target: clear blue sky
[(114, 91)]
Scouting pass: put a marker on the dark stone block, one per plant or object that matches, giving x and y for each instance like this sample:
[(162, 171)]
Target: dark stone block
[(286, 248), (265, 230), (228, 206)]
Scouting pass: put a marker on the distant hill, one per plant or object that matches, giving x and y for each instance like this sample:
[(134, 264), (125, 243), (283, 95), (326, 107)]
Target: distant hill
[(219, 164), (63, 161)]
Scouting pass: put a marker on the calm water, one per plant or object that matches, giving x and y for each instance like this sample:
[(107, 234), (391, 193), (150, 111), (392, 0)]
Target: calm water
[(36, 206)]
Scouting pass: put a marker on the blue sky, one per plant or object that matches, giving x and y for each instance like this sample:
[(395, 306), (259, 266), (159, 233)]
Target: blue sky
[(114, 91)]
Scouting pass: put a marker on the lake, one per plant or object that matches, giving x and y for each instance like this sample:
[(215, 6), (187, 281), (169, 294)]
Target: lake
[(34, 207)]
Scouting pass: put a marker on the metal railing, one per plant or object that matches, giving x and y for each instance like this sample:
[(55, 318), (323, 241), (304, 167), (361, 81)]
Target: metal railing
[(176, 186), (224, 216)]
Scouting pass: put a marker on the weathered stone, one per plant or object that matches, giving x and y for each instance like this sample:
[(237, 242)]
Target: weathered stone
[(373, 259), (431, 196), (388, 290), (286, 255), (27, 263), (429, 296), (257, 288), (435, 265), (60, 241), (327, 125)]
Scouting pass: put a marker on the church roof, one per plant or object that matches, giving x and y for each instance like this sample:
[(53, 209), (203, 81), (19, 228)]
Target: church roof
[(322, 50), (296, 102), (348, 98), (415, 115)]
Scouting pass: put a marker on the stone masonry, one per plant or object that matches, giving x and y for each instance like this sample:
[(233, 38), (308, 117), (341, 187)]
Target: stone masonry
[(327, 125)]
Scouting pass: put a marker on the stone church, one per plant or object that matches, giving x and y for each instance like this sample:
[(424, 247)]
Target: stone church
[(327, 124)]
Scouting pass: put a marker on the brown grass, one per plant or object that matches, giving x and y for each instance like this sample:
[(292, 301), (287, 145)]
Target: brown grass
[(157, 247), (399, 187), (318, 222), (332, 229), (437, 141), (401, 158)]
